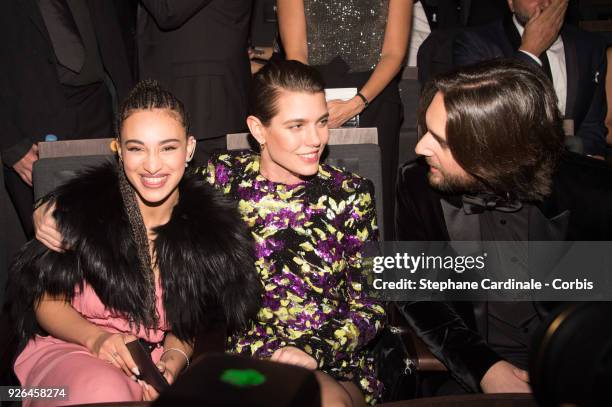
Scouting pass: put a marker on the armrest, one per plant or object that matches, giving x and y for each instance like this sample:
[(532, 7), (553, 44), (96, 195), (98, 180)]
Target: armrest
[(425, 361)]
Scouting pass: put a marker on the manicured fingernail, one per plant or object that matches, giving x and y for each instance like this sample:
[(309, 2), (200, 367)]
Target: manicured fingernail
[(136, 371), (134, 378)]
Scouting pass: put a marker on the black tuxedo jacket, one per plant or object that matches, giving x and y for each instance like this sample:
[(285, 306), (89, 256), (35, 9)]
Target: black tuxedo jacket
[(581, 185), (198, 50), (32, 101), (585, 61)]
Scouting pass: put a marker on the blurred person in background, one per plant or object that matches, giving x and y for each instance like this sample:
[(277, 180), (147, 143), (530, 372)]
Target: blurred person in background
[(65, 64), (573, 59), (198, 49)]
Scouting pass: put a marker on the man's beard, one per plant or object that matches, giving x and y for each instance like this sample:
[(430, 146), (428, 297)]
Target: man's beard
[(454, 184)]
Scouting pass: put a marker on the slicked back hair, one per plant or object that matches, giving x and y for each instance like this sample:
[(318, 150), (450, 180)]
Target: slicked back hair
[(503, 125), (148, 95), (276, 76)]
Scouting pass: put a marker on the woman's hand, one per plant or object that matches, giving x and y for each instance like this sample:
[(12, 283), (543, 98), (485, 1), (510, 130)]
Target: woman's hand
[(170, 373), (46, 228), (111, 348), (340, 111), (294, 356), (148, 392)]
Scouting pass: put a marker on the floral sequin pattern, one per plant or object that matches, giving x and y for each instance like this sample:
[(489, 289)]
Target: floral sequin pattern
[(308, 240)]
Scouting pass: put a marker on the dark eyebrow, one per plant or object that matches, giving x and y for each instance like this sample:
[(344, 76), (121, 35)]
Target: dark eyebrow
[(301, 121), (437, 137), (294, 121), (170, 140)]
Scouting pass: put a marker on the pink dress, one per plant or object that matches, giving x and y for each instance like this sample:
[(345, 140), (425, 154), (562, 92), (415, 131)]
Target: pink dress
[(51, 362)]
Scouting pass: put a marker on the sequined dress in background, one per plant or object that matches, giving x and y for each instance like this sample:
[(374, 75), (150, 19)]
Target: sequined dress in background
[(344, 39), (351, 29), (308, 238)]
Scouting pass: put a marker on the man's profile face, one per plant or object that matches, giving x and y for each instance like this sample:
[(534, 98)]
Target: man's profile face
[(524, 9), (445, 173)]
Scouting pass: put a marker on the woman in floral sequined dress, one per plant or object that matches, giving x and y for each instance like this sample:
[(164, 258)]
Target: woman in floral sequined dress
[(310, 221)]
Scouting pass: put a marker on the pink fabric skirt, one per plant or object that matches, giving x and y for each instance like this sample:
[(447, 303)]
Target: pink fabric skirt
[(51, 362)]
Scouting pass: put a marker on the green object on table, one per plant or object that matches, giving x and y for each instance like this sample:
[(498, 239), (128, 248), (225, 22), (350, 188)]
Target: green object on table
[(243, 377)]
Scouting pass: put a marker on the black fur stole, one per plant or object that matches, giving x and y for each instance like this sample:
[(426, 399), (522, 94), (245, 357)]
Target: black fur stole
[(204, 253)]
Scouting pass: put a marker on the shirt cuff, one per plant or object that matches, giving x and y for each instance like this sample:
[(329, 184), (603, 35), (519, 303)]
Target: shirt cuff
[(532, 56), (13, 154)]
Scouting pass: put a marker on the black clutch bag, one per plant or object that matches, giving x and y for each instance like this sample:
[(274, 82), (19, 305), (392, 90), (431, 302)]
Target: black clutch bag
[(148, 371)]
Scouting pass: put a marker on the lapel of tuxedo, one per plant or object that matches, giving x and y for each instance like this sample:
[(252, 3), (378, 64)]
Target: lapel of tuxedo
[(431, 212), (571, 66), (512, 34), (440, 230), (549, 221), (31, 9), (464, 14)]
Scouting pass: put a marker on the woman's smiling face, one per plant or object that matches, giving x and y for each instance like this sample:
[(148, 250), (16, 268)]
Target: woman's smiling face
[(154, 148), (295, 138)]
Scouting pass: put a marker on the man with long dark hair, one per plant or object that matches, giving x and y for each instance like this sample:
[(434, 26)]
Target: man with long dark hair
[(494, 169)]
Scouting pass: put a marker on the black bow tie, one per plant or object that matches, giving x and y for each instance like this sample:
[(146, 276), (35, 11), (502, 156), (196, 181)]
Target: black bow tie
[(474, 204)]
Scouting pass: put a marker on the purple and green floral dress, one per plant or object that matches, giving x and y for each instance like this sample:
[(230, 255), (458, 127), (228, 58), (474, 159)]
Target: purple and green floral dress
[(308, 239)]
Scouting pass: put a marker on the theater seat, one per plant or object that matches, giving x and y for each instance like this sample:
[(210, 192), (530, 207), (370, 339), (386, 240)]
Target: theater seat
[(61, 160)]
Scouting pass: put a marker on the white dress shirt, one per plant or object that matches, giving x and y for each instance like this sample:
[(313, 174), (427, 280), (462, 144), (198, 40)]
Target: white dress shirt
[(556, 60), (419, 32)]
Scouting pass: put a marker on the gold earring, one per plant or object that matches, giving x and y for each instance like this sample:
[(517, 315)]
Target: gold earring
[(262, 146)]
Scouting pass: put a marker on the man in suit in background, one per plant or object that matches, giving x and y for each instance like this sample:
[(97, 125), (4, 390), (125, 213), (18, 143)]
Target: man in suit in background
[(519, 186), (435, 23), (573, 59), (63, 70), (198, 49)]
